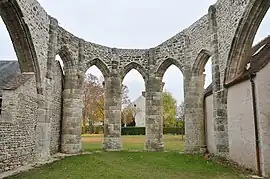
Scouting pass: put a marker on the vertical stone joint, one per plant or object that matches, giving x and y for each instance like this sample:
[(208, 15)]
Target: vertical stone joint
[(51, 46)]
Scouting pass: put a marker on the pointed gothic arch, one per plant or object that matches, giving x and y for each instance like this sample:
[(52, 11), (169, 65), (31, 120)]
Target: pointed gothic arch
[(100, 65), (165, 65), (135, 66), (20, 35), (200, 62), (242, 43)]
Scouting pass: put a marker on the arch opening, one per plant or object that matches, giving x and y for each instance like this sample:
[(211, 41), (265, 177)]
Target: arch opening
[(93, 109), (133, 108), (173, 107), (134, 66), (20, 35), (166, 64), (245, 36), (66, 57), (103, 68), (200, 62)]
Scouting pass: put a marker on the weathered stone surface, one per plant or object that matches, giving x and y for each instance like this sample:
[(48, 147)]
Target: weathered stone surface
[(112, 111), (50, 114)]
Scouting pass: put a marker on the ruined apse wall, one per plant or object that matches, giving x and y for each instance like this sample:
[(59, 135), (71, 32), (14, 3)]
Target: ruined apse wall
[(213, 32), (18, 123), (181, 50), (26, 135)]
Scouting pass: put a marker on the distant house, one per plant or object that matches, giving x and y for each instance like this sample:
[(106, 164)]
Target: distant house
[(139, 105)]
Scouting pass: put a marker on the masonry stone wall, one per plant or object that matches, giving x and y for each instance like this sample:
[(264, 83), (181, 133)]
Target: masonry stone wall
[(38, 38), (56, 107), (229, 14), (18, 123), (38, 22)]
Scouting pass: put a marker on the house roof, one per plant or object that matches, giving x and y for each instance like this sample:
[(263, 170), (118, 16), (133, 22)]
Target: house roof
[(11, 76), (259, 59)]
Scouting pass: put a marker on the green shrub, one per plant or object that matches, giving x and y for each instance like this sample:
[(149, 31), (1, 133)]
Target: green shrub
[(173, 130), (141, 131), (92, 130), (133, 131)]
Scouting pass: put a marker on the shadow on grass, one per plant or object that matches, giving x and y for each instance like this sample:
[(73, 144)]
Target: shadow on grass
[(133, 165)]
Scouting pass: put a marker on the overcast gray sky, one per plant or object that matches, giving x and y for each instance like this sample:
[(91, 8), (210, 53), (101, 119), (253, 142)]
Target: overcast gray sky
[(128, 24)]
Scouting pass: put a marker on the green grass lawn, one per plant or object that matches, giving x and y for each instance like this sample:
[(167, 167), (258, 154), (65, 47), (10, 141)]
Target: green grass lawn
[(132, 165), (94, 142)]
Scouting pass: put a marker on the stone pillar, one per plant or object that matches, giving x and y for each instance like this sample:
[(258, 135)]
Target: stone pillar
[(112, 117), (43, 130), (154, 114), (51, 46), (219, 93), (194, 114), (72, 112)]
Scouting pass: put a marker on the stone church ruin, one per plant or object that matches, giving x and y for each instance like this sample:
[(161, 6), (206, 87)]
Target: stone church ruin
[(41, 104)]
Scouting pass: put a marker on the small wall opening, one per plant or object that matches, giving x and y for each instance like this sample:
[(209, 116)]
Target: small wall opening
[(208, 106), (58, 58), (133, 111), (208, 73)]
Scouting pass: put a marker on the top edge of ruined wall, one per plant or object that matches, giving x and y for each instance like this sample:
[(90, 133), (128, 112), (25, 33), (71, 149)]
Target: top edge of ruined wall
[(99, 46), (179, 35), (183, 34)]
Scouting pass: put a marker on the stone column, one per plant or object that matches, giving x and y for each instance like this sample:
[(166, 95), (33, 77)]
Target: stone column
[(154, 114), (112, 117), (43, 129), (51, 46), (72, 112), (194, 114), (219, 93)]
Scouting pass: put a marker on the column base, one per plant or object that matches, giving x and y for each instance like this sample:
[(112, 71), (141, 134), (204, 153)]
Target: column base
[(71, 144), (111, 144), (222, 151), (154, 147), (194, 149), (71, 148)]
